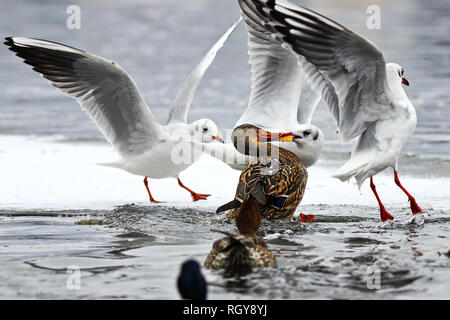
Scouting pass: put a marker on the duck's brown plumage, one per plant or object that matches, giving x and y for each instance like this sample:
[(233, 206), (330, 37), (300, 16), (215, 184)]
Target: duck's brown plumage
[(235, 251), (245, 249), (278, 193)]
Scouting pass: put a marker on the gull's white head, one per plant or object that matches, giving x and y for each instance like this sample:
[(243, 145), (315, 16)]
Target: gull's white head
[(396, 75), (307, 144), (205, 131)]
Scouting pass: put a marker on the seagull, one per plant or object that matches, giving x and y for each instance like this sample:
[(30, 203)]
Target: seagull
[(112, 100), (363, 93), (278, 100)]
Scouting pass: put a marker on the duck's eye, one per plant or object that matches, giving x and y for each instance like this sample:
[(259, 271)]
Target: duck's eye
[(306, 133), (205, 129)]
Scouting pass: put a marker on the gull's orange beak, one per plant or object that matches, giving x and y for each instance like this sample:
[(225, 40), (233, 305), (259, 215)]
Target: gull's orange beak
[(405, 81), (218, 138)]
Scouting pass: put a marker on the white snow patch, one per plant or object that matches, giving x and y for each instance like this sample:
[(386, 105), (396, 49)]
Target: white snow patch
[(42, 173)]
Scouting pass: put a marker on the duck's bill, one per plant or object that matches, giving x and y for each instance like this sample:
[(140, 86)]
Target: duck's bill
[(266, 136), (288, 137)]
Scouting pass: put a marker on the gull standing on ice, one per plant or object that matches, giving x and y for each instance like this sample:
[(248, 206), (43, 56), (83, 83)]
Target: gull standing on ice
[(363, 93), (278, 101), (111, 99)]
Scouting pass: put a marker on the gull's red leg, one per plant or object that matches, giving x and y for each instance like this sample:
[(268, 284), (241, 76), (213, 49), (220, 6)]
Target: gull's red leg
[(152, 200), (412, 202), (383, 212), (195, 196)]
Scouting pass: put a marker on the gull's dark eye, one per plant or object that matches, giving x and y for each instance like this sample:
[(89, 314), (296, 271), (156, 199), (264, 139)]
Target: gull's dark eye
[(205, 129), (306, 133), (403, 72)]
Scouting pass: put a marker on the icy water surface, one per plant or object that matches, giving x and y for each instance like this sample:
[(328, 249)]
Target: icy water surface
[(49, 183), (137, 252)]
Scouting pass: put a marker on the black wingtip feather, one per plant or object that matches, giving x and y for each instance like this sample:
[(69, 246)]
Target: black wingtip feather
[(228, 206), (9, 42)]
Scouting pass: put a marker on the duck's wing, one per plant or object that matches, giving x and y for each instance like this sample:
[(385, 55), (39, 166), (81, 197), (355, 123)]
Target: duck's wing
[(251, 183), (348, 70), (102, 88), (277, 79), (285, 184), (270, 189), (183, 100)]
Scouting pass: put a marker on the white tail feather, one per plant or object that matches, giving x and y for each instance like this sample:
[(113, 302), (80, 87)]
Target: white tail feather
[(111, 164)]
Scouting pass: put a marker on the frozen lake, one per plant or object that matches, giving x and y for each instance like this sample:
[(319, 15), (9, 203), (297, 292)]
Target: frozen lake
[(49, 180)]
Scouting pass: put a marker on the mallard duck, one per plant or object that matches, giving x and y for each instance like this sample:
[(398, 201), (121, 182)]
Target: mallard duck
[(277, 181), (245, 249)]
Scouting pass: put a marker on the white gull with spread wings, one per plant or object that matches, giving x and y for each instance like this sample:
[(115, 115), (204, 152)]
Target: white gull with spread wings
[(363, 93), (277, 103), (111, 99)]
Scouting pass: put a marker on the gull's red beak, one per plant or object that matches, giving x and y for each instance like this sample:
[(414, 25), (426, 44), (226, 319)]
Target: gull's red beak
[(405, 82), (218, 138)]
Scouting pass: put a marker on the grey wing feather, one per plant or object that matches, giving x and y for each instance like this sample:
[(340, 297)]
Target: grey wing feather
[(277, 79), (357, 92), (183, 100), (103, 89), (309, 101)]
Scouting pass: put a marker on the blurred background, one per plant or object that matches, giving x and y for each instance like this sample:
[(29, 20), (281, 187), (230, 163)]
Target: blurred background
[(159, 43)]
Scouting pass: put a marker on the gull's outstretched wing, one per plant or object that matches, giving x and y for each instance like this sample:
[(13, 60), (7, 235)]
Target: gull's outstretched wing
[(183, 100), (348, 70), (102, 88), (277, 79), (309, 101)]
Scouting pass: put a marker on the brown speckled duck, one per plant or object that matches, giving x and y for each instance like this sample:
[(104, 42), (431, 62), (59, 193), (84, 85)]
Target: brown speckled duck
[(244, 250), (277, 181)]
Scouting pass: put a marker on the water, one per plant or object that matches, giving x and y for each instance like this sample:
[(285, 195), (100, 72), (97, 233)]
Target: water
[(137, 254), (47, 147)]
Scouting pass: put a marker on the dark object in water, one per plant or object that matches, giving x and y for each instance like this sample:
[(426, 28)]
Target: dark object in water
[(191, 283)]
